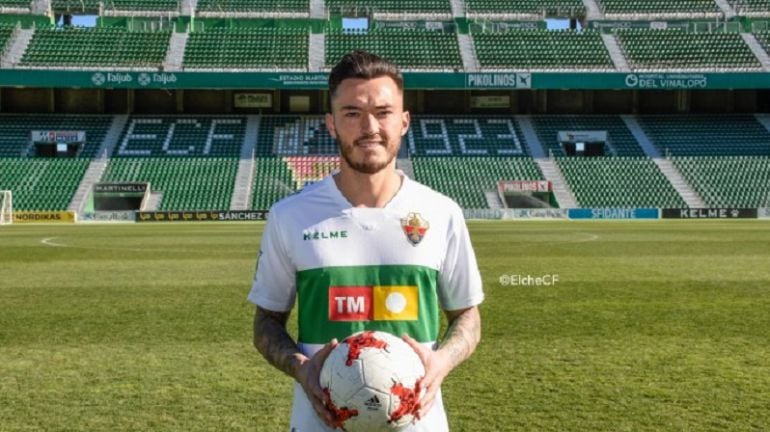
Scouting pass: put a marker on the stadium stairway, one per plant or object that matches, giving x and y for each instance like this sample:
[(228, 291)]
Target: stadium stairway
[(15, 51), (39, 7), (175, 54), (726, 9), (244, 178), (757, 49), (317, 52), (618, 59), (188, 7), (548, 166), (592, 10), (682, 187), (468, 52), (317, 9), (406, 165), (458, 8), (98, 165), (764, 120)]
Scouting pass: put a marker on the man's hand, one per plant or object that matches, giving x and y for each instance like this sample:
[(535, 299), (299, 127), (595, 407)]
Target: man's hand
[(307, 375), (437, 367), (460, 341)]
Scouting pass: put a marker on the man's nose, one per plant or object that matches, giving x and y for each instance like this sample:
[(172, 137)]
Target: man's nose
[(370, 125)]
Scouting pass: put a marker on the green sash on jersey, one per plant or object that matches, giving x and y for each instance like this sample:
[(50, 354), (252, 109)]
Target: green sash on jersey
[(335, 302)]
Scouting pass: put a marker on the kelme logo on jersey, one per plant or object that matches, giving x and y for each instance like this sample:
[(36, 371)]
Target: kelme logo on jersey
[(414, 227), (374, 303)]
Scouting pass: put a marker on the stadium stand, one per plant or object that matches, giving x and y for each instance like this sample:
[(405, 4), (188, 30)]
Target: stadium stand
[(106, 47), (6, 31), (183, 136), (751, 8), (143, 5), (465, 136), (649, 50), (16, 131), (620, 140), (764, 39), (517, 8), (272, 181), (312, 168), (294, 135), (409, 48), (187, 183), (75, 5), (465, 179), (41, 184), (674, 8), (732, 181), (391, 6), (542, 50), (19, 4), (253, 6), (248, 48), (707, 135), (618, 182)]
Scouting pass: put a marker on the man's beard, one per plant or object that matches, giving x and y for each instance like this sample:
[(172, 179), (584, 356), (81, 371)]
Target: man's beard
[(366, 167)]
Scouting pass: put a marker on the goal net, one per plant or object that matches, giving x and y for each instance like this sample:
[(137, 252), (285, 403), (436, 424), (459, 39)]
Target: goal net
[(6, 207)]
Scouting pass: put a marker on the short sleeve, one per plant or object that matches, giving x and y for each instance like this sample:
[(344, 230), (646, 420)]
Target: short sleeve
[(274, 286), (460, 284)]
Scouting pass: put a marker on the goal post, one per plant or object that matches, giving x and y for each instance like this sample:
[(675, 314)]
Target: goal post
[(6, 207)]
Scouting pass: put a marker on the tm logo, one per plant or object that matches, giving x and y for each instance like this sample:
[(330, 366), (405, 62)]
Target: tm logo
[(144, 79), (98, 78), (632, 80)]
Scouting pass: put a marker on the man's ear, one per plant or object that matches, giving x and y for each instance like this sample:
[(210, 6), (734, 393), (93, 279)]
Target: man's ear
[(406, 120), (329, 119)]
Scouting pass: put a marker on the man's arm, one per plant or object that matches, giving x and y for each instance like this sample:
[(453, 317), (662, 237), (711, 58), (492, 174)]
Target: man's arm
[(274, 343), (460, 340)]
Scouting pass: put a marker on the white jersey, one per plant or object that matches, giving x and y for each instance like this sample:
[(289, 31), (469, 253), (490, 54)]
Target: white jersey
[(352, 269)]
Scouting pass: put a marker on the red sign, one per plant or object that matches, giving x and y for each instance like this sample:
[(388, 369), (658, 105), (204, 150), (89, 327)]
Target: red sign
[(350, 303)]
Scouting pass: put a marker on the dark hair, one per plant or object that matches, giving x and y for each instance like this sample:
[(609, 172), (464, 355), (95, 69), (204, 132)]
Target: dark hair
[(364, 65)]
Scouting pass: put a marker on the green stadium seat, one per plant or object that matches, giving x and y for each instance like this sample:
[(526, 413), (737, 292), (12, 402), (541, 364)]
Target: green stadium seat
[(16, 131), (248, 48), (41, 184), (542, 50), (620, 140), (601, 182), (707, 135), (391, 6), (409, 48), (653, 50), (89, 47), (728, 181), (681, 8), (253, 6), (555, 8)]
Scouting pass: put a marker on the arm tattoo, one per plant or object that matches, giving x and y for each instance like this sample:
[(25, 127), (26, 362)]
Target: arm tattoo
[(273, 341), (463, 335)]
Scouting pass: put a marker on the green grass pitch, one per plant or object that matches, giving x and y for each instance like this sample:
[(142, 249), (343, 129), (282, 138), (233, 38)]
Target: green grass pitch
[(651, 326)]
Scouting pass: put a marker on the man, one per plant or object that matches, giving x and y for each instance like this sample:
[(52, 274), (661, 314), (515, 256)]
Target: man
[(343, 246)]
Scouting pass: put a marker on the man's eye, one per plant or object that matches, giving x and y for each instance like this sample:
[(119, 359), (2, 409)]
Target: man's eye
[(351, 114)]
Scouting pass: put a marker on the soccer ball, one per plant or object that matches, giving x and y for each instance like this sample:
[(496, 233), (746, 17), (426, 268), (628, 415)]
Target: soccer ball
[(371, 381)]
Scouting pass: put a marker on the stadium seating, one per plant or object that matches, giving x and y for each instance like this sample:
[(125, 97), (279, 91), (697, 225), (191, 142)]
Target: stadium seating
[(526, 7), (16, 131), (391, 6), (245, 6), (465, 179), (759, 8), (6, 31), (542, 49), (182, 136), (618, 182), (310, 169), (189, 183), (621, 142), (465, 136), (409, 48), (764, 39), (294, 135), (707, 135), (248, 48), (674, 49), (41, 183), (272, 181), (20, 4), (90, 47), (142, 5), (683, 8), (75, 5), (732, 181)]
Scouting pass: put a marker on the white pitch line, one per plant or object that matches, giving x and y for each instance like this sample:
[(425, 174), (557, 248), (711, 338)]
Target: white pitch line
[(48, 242)]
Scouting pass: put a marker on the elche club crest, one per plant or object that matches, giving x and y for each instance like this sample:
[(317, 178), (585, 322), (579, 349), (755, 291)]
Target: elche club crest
[(415, 227)]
